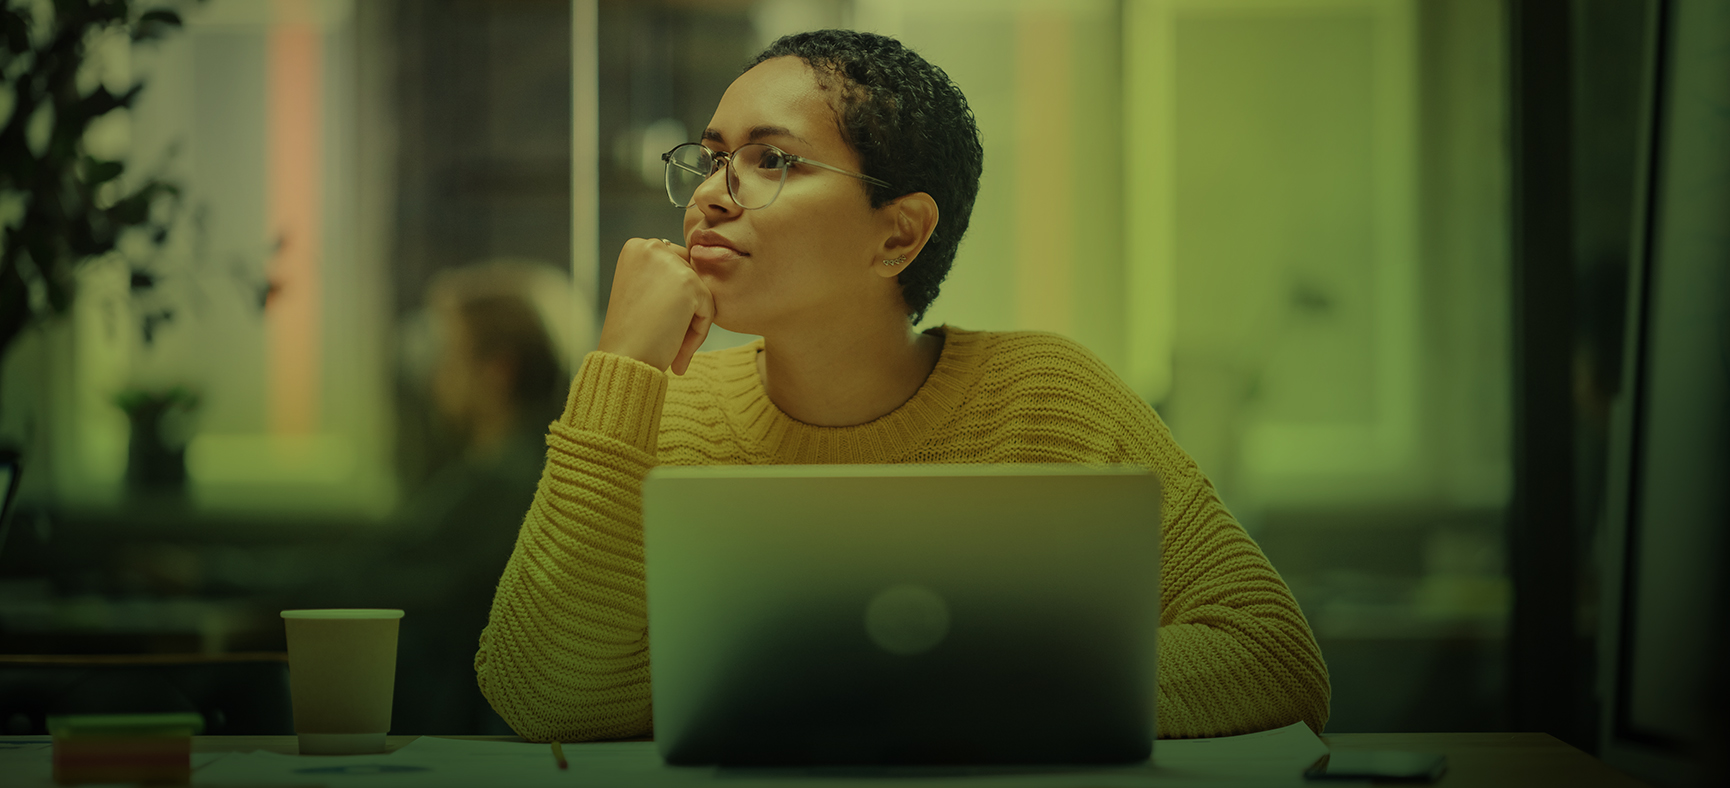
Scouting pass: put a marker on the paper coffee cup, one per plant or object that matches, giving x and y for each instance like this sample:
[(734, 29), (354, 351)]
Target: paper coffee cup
[(341, 673)]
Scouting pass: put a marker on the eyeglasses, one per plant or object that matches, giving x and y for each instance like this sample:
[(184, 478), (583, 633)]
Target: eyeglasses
[(755, 172)]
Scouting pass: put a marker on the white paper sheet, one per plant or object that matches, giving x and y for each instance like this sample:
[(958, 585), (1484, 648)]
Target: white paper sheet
[(27, 761), (436, 762), (1269, 758), (1276, 757)]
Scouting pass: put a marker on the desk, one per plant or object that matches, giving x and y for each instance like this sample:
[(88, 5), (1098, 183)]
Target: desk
[(1474, 759), (1497, 759)]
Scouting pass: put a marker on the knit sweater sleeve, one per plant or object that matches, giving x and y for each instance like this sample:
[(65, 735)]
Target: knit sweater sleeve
[(565, 655), (1236, 654)]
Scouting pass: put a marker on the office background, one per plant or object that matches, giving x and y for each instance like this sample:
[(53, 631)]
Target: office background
[(1368, 258)]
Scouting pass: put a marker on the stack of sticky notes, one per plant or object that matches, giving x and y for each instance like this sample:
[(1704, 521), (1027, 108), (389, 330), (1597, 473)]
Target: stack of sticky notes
[(123, 748)]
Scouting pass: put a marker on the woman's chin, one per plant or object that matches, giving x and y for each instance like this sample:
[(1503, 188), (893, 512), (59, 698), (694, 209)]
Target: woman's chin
[(731, 317), (715, 262)]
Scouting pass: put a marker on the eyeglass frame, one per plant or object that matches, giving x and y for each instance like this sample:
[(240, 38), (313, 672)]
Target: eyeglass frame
[(726, 163)]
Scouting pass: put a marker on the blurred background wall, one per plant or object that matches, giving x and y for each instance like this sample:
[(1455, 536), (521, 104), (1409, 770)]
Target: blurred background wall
[(1288, 224)]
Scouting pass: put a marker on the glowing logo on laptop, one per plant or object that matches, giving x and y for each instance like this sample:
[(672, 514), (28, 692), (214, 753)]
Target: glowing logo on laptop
[(907, 619)]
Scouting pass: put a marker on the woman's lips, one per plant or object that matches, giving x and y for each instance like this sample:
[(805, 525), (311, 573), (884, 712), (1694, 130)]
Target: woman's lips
[(712, 254)]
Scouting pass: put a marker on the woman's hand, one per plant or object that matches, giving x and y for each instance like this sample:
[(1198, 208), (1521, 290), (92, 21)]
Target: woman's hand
[(659, 312)]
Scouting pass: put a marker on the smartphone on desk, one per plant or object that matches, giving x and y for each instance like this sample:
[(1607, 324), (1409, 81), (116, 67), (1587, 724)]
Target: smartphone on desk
[(1378, 765)]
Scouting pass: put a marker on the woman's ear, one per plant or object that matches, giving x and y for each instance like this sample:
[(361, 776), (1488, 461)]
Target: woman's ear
[(912, 219)]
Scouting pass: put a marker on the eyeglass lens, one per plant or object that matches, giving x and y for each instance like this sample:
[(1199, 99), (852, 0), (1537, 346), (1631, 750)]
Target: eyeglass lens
[(755, 173)]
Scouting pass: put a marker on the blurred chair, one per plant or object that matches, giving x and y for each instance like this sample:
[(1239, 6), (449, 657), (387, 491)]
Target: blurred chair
[(10, 473), (238, 694)]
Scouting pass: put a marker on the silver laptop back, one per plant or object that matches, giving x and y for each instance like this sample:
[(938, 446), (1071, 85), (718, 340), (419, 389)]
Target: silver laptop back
[(903, 614)]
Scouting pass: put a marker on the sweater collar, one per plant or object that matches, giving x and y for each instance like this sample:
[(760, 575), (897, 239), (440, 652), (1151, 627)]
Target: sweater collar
[(768, 432)]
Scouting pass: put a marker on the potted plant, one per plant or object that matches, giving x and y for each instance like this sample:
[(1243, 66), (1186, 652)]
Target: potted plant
[(61, 204)]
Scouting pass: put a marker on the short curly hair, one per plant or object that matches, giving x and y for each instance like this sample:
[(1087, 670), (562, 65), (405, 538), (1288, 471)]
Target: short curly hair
[(911, 127)]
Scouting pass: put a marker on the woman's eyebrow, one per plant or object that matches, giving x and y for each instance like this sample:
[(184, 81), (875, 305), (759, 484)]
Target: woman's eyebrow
[(757, 133)]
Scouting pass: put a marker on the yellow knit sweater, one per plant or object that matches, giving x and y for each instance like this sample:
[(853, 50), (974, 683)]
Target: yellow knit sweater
[(565, 655)]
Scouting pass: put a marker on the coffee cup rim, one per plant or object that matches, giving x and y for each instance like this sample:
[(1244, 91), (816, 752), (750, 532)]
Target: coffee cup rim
[(343, 613)]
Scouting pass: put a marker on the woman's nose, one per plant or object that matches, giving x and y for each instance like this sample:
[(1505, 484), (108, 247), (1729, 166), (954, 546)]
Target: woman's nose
[(712, 195)]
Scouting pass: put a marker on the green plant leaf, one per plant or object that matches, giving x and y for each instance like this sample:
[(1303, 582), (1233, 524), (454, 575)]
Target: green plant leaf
[(101, 12), (155, 24), (131, 209), (98, 171), (100, 102), (14, 30), (162, 15)]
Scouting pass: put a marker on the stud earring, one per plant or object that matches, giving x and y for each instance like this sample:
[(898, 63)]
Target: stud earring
[(896, 261)]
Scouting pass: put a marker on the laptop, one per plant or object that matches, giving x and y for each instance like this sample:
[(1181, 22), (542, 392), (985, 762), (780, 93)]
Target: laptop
[(903, 614)]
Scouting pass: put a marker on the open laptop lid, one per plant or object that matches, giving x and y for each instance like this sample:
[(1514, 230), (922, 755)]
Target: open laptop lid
[(903, 614)]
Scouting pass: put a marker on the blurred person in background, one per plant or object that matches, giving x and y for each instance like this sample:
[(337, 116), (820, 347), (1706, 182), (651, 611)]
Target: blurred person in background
[(490, 348), (497, 375), (496, 383)]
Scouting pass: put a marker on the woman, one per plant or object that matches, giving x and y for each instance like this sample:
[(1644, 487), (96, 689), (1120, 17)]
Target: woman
[(850, 167)]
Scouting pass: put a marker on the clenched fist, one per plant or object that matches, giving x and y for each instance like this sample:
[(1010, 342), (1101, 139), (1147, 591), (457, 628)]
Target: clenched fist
[(659, 312)]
